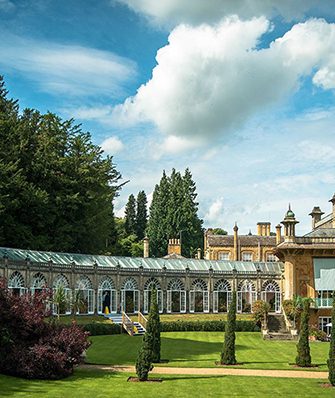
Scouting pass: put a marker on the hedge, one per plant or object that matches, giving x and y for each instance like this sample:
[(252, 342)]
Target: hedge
[(207, 326), (98, 329)]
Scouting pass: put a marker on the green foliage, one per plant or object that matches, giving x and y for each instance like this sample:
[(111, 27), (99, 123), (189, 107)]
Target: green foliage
[(130, 216), (59, 300), (331, 359), (293, 309), (98, 329), (228, 352), (141, 215), (219, 231), (173, 214), (144, 359), (303, 358), (207, 326), (260, 310), (56, 187), (153, 328)]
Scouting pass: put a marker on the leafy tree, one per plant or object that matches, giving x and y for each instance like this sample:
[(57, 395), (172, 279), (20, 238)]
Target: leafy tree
[(130, 216), (141, 215), (153, 328), (303, 358), (219, 231), (331, 359), (56, 187), (31, 347), (173, 214), (228, 352), (144, 359)]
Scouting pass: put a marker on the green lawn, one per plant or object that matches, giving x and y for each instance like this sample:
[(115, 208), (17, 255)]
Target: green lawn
[(202, 349), (83, 319), (98, 384)]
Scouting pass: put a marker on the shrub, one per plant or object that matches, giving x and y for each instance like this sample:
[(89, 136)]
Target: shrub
[(331, 359), (228, 352), (318, 334), (260, 312), (303, 358), (31, 347)]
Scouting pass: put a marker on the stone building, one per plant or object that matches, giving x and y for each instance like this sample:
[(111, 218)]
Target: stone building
[(309, 263), (124, 284), (237, 247)]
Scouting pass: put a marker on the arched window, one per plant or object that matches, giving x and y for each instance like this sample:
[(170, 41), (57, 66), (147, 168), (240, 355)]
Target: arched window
[(16, 283), (176, 296), (246, 296), (150, 284), (199, 285), (270, 286), (84, 283), (107, 297), (176, 285), (61, 281), (130, 296), (271, 294), (107, 284), (130, 284), (39, 281), (221, 296), (222, 285), (85, 294), (246, 286)]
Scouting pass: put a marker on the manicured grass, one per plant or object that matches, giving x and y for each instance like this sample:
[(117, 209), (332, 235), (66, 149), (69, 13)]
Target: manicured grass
[(202, 349), (198, 317), (98, 384)]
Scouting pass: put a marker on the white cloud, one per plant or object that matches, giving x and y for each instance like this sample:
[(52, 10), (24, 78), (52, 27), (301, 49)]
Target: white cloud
[(212, 79), (215, 211), (73, 70), (172, 12), (112, 145)]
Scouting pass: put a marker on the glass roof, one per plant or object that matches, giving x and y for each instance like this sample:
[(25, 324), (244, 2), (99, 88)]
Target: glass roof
[(136, 262)]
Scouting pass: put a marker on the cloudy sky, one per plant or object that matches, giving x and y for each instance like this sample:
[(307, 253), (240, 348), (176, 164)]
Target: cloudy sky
[(241, 92)]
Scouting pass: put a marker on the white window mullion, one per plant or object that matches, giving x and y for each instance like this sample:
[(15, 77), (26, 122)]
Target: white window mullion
[(215, 301), (192, 298), (169, 301), (205, 298), (183, 301)]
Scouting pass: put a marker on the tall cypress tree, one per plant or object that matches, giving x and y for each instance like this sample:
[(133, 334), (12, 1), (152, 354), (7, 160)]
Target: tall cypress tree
[(158, 228), (331, 359), (130, 215), (141, 215), (228, 352), (303, 358), (154, 328)]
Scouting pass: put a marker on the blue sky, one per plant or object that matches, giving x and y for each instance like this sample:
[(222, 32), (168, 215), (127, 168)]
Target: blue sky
[(240, 92)]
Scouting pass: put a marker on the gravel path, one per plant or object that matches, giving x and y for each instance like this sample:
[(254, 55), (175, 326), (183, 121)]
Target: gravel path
[(216, 371)]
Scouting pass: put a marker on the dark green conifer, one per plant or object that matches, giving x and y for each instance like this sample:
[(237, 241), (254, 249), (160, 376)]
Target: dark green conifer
[(130, 216), (144, 359), (331, 359), (141, 215), (228, 352), (153, 328), (303, 358)]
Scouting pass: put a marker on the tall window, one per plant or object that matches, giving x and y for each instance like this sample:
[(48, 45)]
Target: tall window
[(247, 256), (224, 256)]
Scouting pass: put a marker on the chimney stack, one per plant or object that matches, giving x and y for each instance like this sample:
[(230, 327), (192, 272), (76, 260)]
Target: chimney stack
[(332, 200), (174, 246), (263, 228), (316, 214), (146, 247), (236, 256), (199, 253), (278, 234)]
